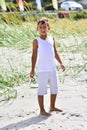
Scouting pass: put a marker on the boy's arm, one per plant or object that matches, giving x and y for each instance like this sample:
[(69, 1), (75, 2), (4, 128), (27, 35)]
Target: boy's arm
[(58, 58), (34, 57)]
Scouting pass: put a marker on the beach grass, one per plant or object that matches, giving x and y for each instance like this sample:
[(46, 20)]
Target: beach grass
[(16, 47)]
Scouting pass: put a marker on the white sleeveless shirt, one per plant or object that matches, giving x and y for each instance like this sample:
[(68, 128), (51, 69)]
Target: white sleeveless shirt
[(46, 55)]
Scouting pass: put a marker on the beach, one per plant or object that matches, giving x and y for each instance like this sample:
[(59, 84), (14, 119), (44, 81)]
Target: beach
[(22, 113)]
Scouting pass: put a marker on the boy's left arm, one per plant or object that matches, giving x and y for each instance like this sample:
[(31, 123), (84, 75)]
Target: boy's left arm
[(58, 58)]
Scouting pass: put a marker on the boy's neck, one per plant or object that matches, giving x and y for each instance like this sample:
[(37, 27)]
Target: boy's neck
[(44, 37)]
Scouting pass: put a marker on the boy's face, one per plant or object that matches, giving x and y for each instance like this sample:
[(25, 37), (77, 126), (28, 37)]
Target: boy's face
[(43, 28)]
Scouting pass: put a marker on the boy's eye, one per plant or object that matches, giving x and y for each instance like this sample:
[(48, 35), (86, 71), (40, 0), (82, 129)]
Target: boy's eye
[(42, 27)]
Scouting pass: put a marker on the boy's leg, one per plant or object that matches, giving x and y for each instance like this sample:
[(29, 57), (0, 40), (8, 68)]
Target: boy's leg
[(52, 103), (42, 89), (54, 91), (41, 105)]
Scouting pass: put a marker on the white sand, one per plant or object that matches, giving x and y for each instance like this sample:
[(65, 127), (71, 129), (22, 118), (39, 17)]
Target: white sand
[(23, 112)]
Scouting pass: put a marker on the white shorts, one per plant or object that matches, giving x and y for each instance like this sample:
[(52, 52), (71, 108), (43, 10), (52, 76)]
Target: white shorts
[(47, 78)]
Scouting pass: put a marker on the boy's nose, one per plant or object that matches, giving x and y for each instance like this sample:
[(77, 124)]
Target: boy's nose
[(42, 29)]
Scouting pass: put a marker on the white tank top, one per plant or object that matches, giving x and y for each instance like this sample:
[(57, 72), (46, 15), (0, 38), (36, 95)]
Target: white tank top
[(46, 56)]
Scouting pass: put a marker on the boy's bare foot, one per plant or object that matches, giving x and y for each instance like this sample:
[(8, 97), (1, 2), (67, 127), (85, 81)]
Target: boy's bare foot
[(45, 113), (56, 109)]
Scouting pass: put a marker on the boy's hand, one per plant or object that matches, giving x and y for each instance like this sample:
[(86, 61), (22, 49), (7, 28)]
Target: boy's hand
[(31, 74), (63, 67)]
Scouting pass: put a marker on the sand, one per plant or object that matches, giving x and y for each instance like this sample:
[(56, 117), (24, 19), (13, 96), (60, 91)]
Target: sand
[(22, 113)]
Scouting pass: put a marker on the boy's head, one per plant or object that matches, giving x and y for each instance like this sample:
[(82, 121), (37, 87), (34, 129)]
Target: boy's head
[(43, 26), (43, 21)]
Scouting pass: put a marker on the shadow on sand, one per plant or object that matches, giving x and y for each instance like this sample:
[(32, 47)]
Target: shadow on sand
[(24, 123)]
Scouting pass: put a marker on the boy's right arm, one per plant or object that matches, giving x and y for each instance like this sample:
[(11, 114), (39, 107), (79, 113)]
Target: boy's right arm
[(34, 57)]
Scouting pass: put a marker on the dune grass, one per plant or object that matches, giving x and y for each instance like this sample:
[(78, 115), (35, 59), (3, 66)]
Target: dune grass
[(71, 42)]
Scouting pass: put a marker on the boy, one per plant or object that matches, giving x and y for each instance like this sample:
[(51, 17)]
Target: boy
[(44, 48)]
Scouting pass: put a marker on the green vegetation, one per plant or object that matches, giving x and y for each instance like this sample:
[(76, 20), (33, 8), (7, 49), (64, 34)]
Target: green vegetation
[(16, 35), (13, 6), (79, 15)]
